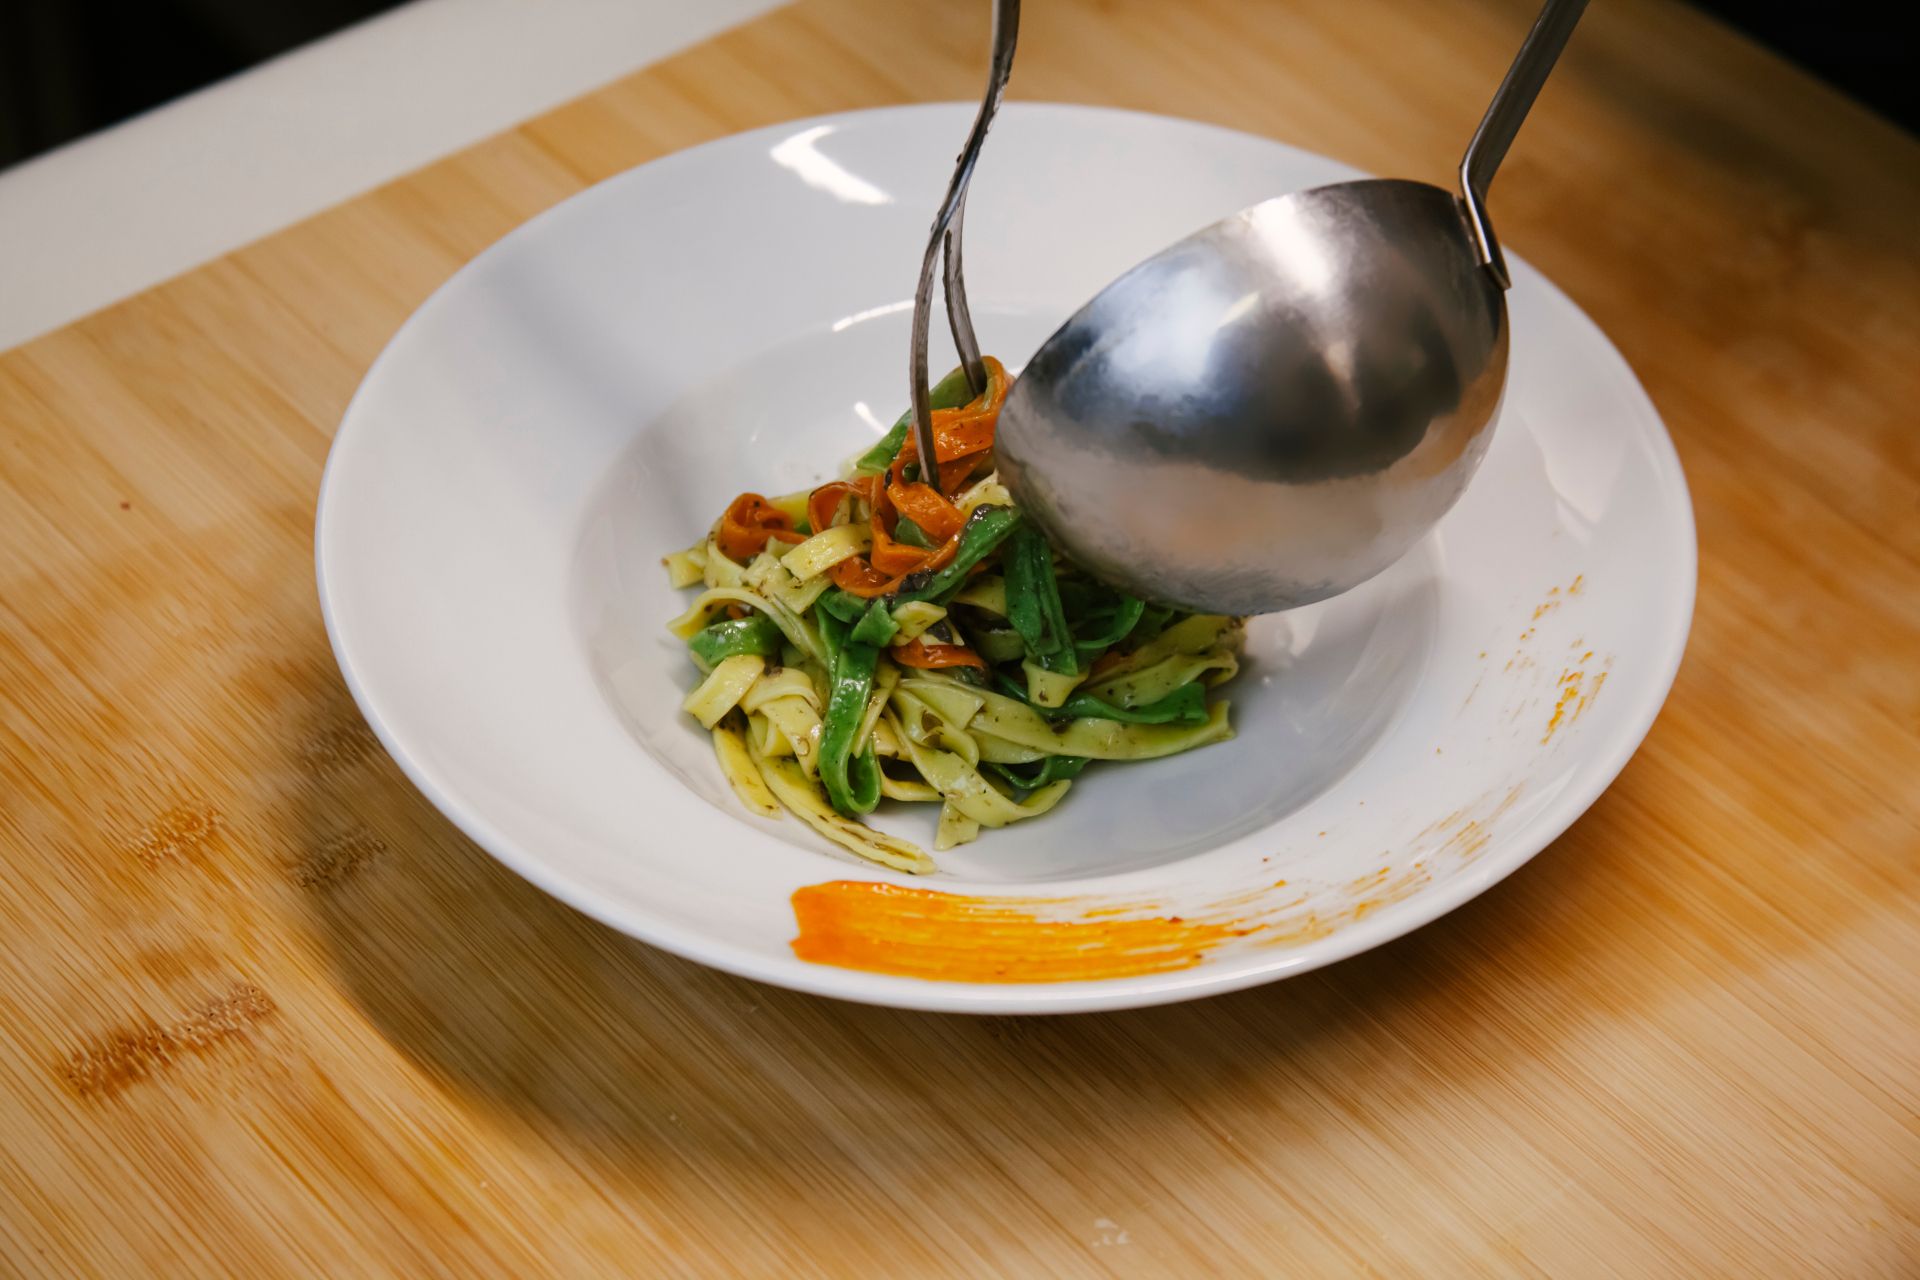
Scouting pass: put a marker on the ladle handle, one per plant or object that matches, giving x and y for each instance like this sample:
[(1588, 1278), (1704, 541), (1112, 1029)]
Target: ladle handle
[(1509, 107), (946, 235)]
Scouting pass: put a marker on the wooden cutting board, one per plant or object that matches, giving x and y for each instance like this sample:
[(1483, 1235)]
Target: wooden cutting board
[(264, 1012)]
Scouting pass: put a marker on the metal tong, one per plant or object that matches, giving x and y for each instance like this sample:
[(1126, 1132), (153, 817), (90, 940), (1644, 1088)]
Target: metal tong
[(948, 229)]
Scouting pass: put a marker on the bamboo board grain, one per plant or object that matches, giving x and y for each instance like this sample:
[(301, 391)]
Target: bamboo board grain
[(265, 1013)]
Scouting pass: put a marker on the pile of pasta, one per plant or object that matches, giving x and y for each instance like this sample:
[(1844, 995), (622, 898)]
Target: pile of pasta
[(874, 638)]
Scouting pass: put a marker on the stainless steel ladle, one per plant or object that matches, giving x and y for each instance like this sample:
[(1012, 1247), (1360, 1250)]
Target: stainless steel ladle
[(1276, 408)]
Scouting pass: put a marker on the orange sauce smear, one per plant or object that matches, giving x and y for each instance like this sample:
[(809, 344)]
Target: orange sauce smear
[(924, 933)]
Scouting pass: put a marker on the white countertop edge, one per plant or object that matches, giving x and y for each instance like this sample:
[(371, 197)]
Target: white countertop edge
[(121, 210)]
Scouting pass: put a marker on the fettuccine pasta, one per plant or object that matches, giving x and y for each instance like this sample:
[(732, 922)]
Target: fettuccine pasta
[(874, 638)]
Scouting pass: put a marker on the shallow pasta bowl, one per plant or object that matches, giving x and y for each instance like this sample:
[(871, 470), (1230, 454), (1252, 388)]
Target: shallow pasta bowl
[(586, 395)]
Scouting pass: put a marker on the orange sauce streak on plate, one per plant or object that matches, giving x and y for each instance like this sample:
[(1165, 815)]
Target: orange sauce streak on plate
[(923, 933)]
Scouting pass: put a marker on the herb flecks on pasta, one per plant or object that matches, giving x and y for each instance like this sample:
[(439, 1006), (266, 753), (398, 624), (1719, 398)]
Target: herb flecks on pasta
[(874, 638)]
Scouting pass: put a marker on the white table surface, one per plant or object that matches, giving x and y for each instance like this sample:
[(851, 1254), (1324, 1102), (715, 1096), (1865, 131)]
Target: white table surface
[(113, 213)]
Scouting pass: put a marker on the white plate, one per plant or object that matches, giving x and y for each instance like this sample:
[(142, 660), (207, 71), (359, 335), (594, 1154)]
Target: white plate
[(587, 394)]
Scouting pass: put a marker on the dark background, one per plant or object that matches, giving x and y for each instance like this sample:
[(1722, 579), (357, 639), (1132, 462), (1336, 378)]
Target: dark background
[(68, 67)]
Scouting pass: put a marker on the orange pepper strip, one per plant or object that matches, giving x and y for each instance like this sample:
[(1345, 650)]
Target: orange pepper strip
[(918, 653), (889, 556), (960, 436), (953, 475), (955, 466), (853, 574), (890, 561), (749, 521), (920, 504), (856, 577), (969, 429), (823, 504)]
